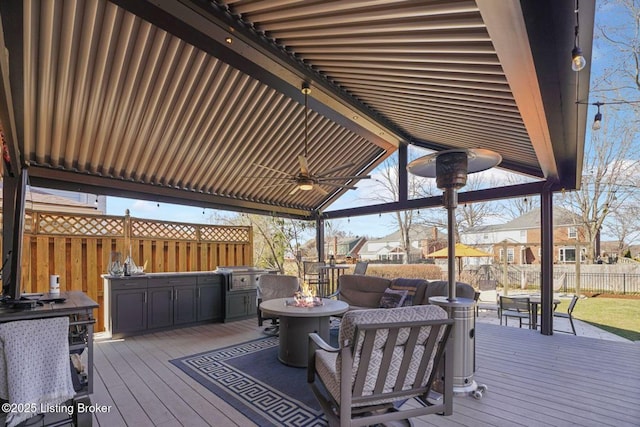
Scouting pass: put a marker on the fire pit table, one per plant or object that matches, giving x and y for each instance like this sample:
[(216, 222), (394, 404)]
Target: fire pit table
[(297, 322)]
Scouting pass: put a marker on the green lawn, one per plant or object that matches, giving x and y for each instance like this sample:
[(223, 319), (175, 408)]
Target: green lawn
[(619, 316)]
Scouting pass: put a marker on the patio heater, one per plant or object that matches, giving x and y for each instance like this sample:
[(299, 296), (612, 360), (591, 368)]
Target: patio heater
[(450, 168)]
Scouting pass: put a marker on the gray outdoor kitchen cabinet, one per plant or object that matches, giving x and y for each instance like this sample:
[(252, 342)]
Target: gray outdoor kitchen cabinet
[(150, 302), (209, 298), (240, 305), (128, 302)]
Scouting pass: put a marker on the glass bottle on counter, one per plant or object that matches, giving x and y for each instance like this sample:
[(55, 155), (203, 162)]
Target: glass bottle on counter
[(115, 264)]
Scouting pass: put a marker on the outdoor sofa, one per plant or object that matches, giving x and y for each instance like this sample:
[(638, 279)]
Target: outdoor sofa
[(363, 292)]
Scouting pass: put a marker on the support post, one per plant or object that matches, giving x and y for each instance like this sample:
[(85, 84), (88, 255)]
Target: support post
[(546, 223), (403, 181), (9, 186), (320, 238)]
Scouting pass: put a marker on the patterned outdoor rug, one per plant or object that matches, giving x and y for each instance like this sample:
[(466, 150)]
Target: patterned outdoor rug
[(249, 377)]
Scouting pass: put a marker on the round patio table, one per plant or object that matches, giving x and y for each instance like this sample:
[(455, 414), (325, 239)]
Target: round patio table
[(296, 323), (534, 301)]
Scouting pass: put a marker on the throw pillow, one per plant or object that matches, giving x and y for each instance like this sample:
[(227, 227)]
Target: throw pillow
[(410, 285), (392, 298)]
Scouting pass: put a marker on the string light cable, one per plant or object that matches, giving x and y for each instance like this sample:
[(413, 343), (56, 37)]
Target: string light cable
[(597, 119)]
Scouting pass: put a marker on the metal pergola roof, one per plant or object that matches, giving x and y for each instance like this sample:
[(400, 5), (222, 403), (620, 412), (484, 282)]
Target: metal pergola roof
[(177, 100)]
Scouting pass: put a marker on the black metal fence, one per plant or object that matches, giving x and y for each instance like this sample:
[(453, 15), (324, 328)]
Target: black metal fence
[(595, 283)]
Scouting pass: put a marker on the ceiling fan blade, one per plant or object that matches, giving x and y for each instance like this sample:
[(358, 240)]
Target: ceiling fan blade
[(339, 178), (273, 170), (350, 187), (294, 191), (336, 169), (280, 184), (320, 190), (304, 167), (288, 178)]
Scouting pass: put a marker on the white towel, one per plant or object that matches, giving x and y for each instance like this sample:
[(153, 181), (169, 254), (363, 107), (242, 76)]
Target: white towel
[(34, 365)]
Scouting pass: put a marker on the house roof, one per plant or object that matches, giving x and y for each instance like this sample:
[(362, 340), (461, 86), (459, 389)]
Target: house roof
[(531, 220), (178, 101)]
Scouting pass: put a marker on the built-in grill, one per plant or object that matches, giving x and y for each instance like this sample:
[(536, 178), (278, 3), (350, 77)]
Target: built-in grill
[(242, 278), (240, 283)]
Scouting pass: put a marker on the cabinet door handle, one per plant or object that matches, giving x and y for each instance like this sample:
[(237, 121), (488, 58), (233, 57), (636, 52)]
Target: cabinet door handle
[(145, 297), (198, 292), (175, 295)]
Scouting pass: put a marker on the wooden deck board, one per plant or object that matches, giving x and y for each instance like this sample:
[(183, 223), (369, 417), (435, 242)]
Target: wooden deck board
[(190, 394), (533, 380)]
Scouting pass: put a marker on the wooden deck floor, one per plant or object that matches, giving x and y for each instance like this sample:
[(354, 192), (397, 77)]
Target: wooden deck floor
[(533, 380)]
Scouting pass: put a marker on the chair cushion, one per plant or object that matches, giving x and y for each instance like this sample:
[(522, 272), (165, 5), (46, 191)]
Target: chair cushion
[(362, 291), (271, 286), (392, 298), (415, 289), (328, 366)]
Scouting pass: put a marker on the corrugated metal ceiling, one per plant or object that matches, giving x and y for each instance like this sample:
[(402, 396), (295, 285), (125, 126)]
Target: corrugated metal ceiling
[(108, 93)]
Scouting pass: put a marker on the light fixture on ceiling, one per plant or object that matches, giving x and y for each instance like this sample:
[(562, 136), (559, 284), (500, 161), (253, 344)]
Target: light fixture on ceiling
[(597, 120), (304, 180), (305, 184), (577, 59)]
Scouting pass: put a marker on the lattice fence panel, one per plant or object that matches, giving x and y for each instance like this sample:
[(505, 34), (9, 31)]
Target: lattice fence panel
[(225, 234), (162, 230), (77, 225)]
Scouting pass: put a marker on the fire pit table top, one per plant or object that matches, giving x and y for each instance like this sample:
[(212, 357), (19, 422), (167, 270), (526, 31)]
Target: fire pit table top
[(284, 307)]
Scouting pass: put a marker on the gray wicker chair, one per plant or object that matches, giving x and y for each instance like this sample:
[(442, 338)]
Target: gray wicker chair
[(386, 357), (271, 286)]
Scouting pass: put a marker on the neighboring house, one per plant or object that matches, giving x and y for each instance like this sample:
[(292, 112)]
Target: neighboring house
[(344, 247), (423, 240), (519, 240), (611, 251), (38, 199)]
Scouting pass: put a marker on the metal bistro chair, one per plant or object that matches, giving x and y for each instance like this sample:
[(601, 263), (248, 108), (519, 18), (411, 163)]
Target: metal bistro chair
[(568, 314), (361, 267), (272, 286), (314, 276), (386, 357), (517, 307), (487, 296)]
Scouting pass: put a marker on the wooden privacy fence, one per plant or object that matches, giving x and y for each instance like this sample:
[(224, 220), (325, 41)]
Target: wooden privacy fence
[(78, 248)]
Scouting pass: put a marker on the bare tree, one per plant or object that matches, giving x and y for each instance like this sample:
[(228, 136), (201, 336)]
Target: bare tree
[(608, 166), (518, 206), (622, 229), (611, 161), (273, 238), (388, 191), (619, 33)]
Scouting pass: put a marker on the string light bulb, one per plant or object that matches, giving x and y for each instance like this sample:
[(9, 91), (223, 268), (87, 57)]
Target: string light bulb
[(577, 59), (597, 120)]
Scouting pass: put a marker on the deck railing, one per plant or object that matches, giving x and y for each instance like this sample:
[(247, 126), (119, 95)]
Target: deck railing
[(605, 282)]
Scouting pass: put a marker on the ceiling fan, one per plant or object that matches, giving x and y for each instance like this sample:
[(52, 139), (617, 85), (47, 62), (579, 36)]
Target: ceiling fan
[(304, 180)]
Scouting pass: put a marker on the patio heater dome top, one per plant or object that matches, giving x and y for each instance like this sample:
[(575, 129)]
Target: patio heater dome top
[(477, 160)]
